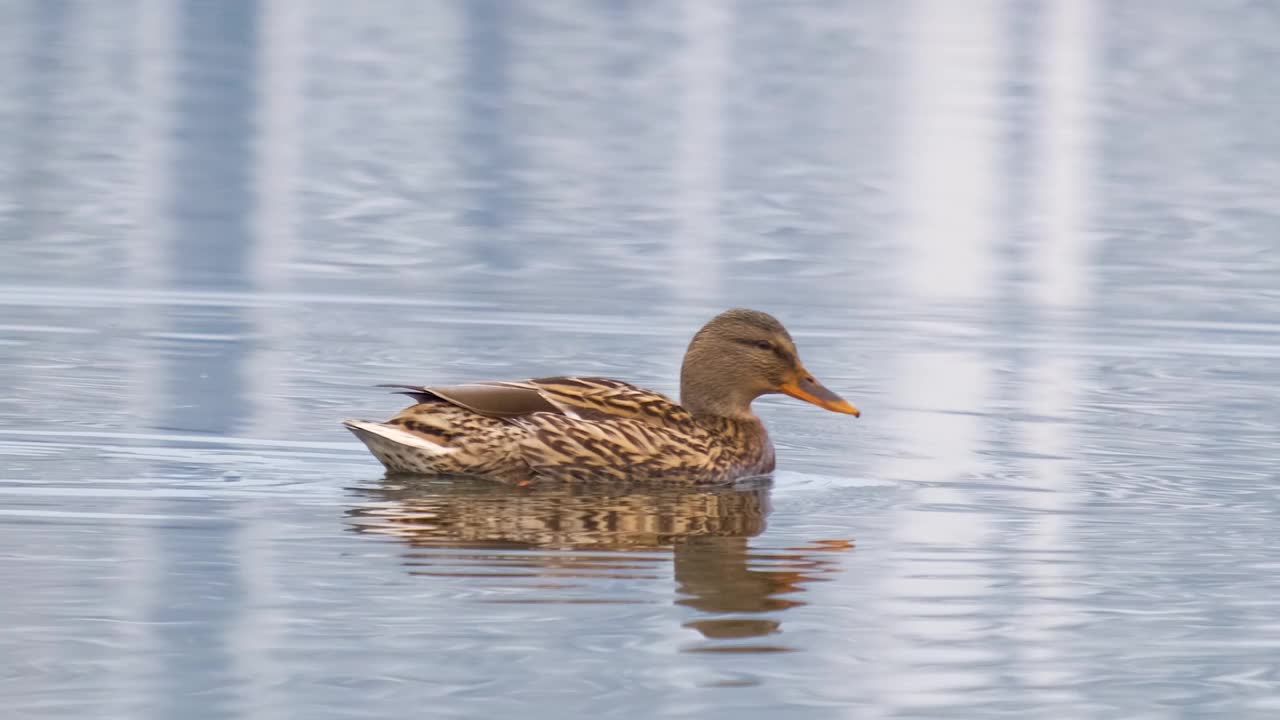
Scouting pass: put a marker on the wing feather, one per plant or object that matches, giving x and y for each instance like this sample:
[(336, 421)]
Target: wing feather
[(558, 446), (596, 398), (587, 398)]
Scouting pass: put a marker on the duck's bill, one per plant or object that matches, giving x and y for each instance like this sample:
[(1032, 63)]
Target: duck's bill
[(811, 391)]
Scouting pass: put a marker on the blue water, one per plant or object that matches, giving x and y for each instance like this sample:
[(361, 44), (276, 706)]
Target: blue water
[(1038, 244)]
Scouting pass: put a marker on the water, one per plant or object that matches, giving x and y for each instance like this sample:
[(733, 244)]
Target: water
[(1036, 243)]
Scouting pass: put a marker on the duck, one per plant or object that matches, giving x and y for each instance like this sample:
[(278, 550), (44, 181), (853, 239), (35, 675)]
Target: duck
[(594, 429)]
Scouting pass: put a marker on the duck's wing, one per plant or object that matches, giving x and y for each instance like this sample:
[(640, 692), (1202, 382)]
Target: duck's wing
[(619, 449), (595, 398), (491, 399), (585, 398)]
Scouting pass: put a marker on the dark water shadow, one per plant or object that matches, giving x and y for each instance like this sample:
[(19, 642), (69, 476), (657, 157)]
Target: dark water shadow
[(566, 536)]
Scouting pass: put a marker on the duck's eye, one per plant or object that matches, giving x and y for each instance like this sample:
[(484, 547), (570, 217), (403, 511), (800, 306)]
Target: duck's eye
[(764, 344)]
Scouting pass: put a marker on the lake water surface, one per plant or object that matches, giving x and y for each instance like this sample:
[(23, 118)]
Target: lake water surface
[(1038, 244)]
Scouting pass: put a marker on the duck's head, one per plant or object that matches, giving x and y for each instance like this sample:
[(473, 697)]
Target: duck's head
[(739, 356)]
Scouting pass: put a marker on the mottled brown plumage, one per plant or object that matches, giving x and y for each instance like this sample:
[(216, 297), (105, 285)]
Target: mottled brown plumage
[(598, 429)]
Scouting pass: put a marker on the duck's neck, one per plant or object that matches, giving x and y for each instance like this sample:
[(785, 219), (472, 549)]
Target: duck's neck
[(745, 441), (730, 403)]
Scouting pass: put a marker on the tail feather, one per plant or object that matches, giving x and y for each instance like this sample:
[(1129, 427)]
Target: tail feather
[(399, 449)]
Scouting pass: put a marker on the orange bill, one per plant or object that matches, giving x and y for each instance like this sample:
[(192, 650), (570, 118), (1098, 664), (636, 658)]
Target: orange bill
[(805, 387)]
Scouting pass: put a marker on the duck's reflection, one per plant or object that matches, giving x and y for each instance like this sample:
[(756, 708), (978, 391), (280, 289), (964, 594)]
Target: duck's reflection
[(706, 529)]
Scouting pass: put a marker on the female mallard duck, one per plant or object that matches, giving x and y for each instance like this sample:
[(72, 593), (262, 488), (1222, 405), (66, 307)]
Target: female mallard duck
[(585, 428)]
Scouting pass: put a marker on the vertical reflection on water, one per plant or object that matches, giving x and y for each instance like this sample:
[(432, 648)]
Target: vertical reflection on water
[(699, 162), (210, 198), (397, 172), (280, 80), (13, 30), (277, 159), (148, 256), (941, 577), (1065, 139), (62, 174), (950, 145), (951, 180), (154, 73), (34, 129), (1059, 254), (489, 160), (197, 594)]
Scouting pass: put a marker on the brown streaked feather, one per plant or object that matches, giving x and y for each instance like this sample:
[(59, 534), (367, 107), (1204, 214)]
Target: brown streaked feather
[(620, 449), (570, 428), (493, 399), (476, 444), (586, 397), (595, 398)]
